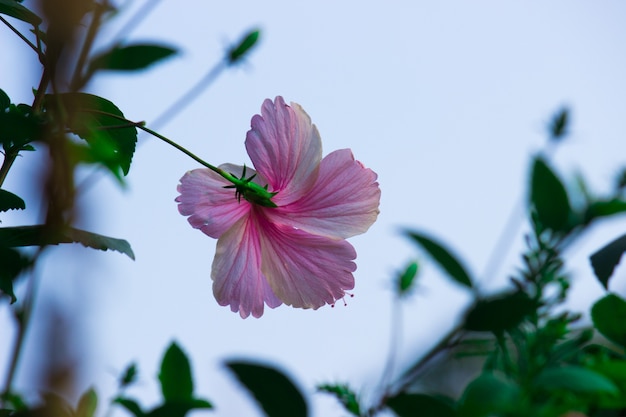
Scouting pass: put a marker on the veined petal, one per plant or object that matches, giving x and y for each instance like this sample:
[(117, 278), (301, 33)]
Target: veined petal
[(210, 207), (342, 203), (236, 273), (285, 147), (305, 270)]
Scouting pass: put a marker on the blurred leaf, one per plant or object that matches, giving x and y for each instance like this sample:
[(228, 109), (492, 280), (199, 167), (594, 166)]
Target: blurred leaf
[(129, 376), (606, 259), (16, 10), (609, 315), (345, 395), (175, 375), (406, 279), (12, 263), (178, 408), (274, 392), (9, 201), (549, 198), (422, 405), (131, 405), (100, 122), (604, 208), (499, 313), (559, 124), (575, 379), (489, 395), (443, 257), (87, 404), (238, 52), (39, 235), (4, 100), (130, 58)]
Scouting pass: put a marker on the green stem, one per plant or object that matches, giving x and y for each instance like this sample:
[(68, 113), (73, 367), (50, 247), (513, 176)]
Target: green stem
[(23, 319), (9, 158), (18, 33)]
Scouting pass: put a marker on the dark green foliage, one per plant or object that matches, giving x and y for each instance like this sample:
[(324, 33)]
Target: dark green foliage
[(274, 392), (609, 317), (110, 137), (489, 395), (345, 395), (130, 58), (604, 208), (549, 198), (443, 257), (606, 259), (239, 51), (499, 313), (129, 376), (176, 387), (12, 263), (575, 379), (16, 10), (407, 278), (18, 127), (4, 100), (39, 235), (559, 124), (175, 376), (422, 405), (10, 201), (130, 405)]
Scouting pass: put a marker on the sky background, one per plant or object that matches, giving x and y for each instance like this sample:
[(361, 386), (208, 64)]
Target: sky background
[(447, 101)]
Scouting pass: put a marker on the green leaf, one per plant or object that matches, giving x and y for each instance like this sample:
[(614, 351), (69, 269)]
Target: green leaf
[(606, 259), (16, 10), (17, 128), (406, 279), (39, 235), (9, 201), (12, 263), (274, 392), (499, 313), (87, 404), (489, 395), (237, 52), (4, 100), (443, 257), (345, 395), (559, 124), (605, 208), (178, 408), (175, 375), (575, 379), (102, 125), (609, 316), (129, 376), (130, 58), (131, 405), (409, 405), (549, 198)]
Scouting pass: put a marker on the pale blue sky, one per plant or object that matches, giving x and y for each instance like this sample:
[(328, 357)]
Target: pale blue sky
[(446, 101)]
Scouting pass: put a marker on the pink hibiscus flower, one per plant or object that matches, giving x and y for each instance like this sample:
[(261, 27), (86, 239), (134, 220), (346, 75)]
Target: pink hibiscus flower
[(291, 250)]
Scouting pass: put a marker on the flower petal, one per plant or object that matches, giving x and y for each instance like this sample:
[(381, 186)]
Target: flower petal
[(236, 272), (342, 203), (285, 148), (210, 207), (305, 270)]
